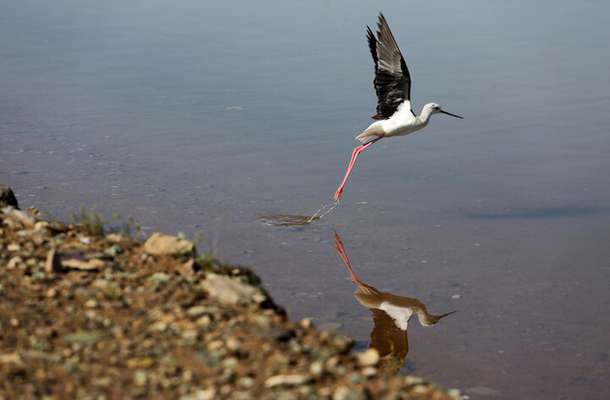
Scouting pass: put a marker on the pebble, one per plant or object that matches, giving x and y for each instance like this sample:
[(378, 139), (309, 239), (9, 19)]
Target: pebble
[(215, 345), (232, 344), (190, 334), (159, 326), (83, 265), (230, 291), (286, 380), (306, 323), (11, 358), (413, 380), (187, 376), (316, 368), (187, 269), (160, 277), (102, 381), (13, 247), (245, 382), (114, 250), (369, 371), (230, 363), (82, 337), (140, 378), (18, 218), (203, 321), (341, 393), (160, 244), (196, 311), (14, 262), (115, 237), (52, 262), (205, 394), (138, 363), (91, 303), (368, 358)]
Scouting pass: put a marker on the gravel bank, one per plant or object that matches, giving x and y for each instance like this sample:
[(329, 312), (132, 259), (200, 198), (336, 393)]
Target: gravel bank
[(90, 314)]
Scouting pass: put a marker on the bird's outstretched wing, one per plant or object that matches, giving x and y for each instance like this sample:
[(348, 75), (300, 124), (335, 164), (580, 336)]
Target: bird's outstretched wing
[(392, 79)]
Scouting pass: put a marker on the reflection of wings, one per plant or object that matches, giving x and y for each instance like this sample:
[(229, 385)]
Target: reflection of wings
[(391, 342)]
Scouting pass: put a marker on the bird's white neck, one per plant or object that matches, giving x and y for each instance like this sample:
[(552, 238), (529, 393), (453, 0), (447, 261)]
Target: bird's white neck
[(425, 114), (424, 318)]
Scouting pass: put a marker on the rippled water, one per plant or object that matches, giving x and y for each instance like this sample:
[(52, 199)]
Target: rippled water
[(202, 116)]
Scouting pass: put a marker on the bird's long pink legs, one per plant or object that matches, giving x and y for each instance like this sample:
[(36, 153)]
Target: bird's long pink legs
[(341, 251), (350, 166)]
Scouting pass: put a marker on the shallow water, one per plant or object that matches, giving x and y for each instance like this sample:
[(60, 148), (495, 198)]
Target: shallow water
[(203, 116)]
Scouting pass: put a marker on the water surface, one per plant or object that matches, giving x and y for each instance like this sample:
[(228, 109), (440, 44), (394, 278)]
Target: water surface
[(201, 116)]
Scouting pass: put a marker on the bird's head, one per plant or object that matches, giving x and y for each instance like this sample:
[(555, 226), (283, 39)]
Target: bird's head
[(430, 319), (433, 108)]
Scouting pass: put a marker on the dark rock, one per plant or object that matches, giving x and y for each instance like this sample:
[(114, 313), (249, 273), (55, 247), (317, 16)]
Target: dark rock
[(7, 197)]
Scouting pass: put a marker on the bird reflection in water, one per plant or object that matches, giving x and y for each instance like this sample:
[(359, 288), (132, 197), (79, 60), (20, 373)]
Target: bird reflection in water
[(391, 315)]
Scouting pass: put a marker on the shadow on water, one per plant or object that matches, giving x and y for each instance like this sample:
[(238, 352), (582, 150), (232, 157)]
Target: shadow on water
[(540, 213), (391, 315)]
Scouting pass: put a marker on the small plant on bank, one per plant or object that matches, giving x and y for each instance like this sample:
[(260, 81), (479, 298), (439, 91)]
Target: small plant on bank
[(91, 220)]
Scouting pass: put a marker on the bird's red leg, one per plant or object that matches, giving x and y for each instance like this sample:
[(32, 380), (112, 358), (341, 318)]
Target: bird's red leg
[(345, 259), (350, 166), (362, 287)]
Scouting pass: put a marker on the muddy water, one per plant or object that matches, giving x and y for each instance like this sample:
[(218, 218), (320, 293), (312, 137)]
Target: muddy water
[(202, 117)]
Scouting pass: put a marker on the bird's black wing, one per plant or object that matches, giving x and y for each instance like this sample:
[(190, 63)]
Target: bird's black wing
[(392, 79)]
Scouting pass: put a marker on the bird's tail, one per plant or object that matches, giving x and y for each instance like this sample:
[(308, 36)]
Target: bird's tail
[(371, 132)]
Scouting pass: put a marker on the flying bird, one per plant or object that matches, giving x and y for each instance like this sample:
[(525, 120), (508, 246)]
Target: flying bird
[(394, 116)]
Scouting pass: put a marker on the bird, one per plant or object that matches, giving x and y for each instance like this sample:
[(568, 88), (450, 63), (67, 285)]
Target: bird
[(394, 114), (391, 315)]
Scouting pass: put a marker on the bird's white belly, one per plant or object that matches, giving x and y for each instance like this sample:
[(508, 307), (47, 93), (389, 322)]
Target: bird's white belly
[(400, 315), (400, 128)]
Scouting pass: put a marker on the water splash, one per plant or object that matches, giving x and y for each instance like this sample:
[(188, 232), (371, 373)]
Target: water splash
[(324, 210), (297, 220)]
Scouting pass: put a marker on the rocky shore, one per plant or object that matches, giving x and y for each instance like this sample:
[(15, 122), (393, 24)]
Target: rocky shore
[(91, 313)]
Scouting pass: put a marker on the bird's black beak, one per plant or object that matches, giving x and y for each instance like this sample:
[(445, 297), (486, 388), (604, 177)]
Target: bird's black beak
[(453, 115)]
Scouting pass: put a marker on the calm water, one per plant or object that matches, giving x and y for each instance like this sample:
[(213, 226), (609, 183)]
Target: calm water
[(200, 116)]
